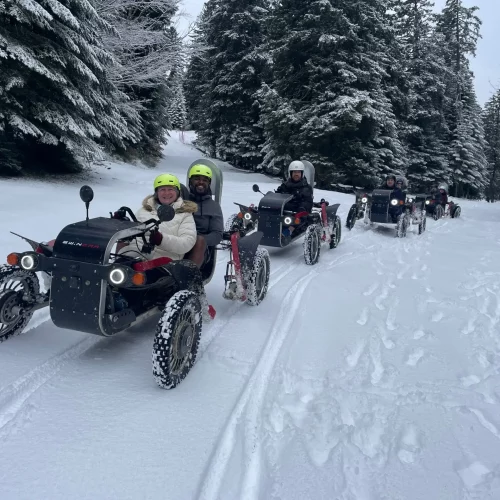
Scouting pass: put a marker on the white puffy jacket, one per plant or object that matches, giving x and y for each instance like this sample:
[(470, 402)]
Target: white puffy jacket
[(179, 234)]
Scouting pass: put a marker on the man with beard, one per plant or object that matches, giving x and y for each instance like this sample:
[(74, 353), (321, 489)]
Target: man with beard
[(208, 218)]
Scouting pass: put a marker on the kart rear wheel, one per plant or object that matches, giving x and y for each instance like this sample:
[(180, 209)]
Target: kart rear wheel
[(337, 232), (422, 224), (258, 282), (456, 212), (402, 226), (438, 212), (312, 245), (16, 286), (351, 217), (233, 223), (177, 339)]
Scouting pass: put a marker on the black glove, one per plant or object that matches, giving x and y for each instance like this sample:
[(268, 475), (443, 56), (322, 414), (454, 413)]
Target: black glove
[(120, 215), (155, 238)]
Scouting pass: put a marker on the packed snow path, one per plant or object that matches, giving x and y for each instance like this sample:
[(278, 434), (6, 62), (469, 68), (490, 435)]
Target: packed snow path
[(371, 375)]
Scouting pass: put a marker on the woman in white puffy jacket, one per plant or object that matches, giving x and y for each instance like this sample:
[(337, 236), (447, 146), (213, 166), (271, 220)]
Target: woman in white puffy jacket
[(175, 237)]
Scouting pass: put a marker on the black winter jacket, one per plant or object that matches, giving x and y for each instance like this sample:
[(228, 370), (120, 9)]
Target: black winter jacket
[(208, 218), (302, 195)]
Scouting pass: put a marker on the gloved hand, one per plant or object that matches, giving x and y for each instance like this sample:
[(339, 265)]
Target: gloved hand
[(120, 215), (155, 238)]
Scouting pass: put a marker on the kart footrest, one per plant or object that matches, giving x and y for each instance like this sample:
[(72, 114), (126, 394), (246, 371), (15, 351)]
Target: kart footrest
[(120, 319)]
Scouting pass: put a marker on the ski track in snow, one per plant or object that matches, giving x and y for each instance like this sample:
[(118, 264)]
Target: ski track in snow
[(251, 402), (15, 397)]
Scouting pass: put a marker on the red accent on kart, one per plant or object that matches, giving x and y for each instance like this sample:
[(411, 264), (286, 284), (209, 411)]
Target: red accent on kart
[(323, 214), (151, 264), (236, 260), (301, 214), (211, 311), (49, 244)]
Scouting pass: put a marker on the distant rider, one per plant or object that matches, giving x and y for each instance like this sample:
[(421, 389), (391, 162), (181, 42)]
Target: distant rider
[(396, 194), (302, 192)]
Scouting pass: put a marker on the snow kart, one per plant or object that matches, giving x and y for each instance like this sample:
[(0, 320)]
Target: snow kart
[(358, 209), (248, 268), (380, 210), (436, 210), (322, 225), (95, 291)]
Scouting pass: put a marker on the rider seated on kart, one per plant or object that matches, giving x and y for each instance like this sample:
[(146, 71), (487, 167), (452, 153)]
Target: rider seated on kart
[(173, 238), (302, 192), (397, 194), (208, 218), (442, 195)]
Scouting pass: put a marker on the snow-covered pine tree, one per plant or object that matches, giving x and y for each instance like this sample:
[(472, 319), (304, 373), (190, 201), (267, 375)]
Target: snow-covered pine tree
[(198, 73), (329, 99), (176, 108), (55, 99), (234, 34), (148, 48), (460, 28), (425, 73), (491, 120)]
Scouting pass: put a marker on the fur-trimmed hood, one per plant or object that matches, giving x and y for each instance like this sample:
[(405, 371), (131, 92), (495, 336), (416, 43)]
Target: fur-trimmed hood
[(181, 207)]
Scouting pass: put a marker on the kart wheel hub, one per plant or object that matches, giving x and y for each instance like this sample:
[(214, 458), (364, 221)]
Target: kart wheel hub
[(7, 304), (185, 341)]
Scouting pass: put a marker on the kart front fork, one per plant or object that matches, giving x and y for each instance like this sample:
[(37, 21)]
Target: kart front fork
[(234, 288)]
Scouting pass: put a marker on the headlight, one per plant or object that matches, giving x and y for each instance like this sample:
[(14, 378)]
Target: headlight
[(364, 200), (28, 262), (248, 216), (394, 202), (117, 276), (427, 202), (288, 221), (410, 200)]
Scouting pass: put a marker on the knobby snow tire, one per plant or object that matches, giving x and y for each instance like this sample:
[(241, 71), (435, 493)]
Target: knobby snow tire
[(181, 316), (257, 283), (30, 288), (233, 222), (337, 227), (312, 245), (351, 217)]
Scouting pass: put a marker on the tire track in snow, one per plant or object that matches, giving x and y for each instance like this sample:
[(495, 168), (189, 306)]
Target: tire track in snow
[(14, 398), (252, 400)]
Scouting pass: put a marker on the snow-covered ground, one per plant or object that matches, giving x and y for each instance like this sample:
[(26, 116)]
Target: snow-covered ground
[(373, 375)]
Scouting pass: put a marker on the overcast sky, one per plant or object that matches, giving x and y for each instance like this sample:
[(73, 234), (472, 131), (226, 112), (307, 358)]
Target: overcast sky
[(486, 64)]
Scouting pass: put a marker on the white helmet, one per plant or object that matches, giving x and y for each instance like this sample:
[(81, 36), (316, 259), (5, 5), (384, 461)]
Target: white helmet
[(295, 165), (444, 186)]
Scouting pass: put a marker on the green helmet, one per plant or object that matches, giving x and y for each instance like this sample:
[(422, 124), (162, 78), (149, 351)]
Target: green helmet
[(167, 180), (200, 170)]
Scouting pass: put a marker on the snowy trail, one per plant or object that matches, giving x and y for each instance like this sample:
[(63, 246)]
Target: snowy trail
[(373, 374)]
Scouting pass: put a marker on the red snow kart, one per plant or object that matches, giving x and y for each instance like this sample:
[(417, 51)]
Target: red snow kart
[(322, 225)]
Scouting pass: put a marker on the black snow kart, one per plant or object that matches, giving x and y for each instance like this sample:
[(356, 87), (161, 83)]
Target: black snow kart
[(435, 209), (379, 207), (95, 291), (322, 225)]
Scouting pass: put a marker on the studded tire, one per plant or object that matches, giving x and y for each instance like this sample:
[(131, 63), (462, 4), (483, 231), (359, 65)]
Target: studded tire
[(337, 228), (177, 339), (312, 245), (257, 283), (232, 223), (351, 217), (15, 283)]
